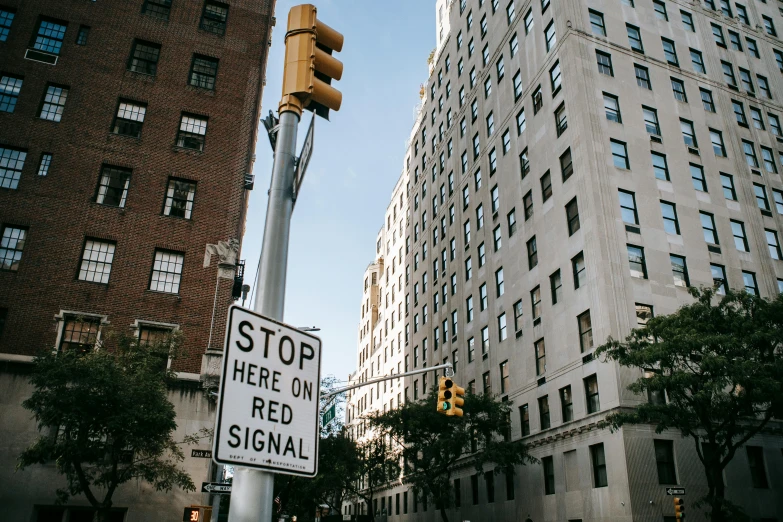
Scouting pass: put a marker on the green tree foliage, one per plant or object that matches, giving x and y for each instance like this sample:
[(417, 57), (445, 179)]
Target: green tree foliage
[(105, 420), (719, 364), (429, 444)]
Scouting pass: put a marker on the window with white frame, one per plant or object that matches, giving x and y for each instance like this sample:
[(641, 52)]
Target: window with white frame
[(113, 186), (192, 131), (167, 271), (97, 258)]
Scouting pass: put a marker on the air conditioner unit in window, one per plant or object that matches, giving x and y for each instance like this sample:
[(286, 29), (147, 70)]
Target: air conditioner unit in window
[(656, 138), (694, 150), (38, 56)]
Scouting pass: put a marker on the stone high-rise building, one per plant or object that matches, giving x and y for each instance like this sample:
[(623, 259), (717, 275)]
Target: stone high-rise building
[(127, 132), (574, 167)]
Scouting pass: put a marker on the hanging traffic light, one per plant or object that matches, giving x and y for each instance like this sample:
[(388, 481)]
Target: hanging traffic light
[(450, 397), (679, 508), (309, 64)]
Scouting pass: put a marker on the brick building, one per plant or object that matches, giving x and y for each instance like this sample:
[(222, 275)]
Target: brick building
[(127, 132)]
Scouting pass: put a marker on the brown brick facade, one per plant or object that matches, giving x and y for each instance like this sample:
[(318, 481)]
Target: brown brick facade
[(60, 211)]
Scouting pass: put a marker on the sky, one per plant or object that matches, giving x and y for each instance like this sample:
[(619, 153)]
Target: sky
[(357, 159)]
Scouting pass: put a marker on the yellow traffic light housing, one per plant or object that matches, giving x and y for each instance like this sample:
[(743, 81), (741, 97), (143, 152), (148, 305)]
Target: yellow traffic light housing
[(309, 64), (450, 397), (679, 508)]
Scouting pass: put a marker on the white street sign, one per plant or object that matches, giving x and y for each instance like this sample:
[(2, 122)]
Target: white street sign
[(268, 405)]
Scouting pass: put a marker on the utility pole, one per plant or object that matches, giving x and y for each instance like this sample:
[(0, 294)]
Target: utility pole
[(309, 68)]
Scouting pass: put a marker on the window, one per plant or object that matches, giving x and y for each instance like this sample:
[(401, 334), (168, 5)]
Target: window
[(612, 108), (751, 287), (485, 343), (742, 14), (113, 186), (53, 103), (773, 244), (747, 83), (687, 21), (499, 283), (670, 222), (203, 72), (604, 63), (6, 19), (554, 77), (716, 137), (697, 176), (591, 394), (81, 36), (688, 134), (634, 38), (739, 113), (487, 383), (708, 227), (750, 154), (501, 68), (179, 198), (628, 207), (706, 100), (768, 160), (764, 86), (49, 36), (529, 21), (758, 120), (597, 23), (11, 247), (514, 45), (740, 239), (546, 186), (660, 166), (502, 335), (753, 47), (527, 201), (144, 58), (585, 331), (769, 25), (511, 217), (727, 180), (549, 472), (664, 459), (10, 87), (698, 61), (636, 261), (129, 118), (43, 166), (758, 472), (572, 216), (651, 120), (97, 258), (477, 145), (719, 280), (157, 8), (11, 165), (555, 287), (620, 155), (532, 253), (660, 10), (167, 271), (466, 230), (778, 197), (191, 133), (561, 120), (80, 333), (579, 270), (538, 100), (734, 40), (717, 33), (540, 350), (549, 35), (598, 460), (642, 77), (469, 318), (774, 124), (567, 404), (535, 302), (474, 110), (496, 238), (679, 271), (524, 164), (678, 88), (669, 52), (543, 414), (487, 86), (483, 26), (728, 75)]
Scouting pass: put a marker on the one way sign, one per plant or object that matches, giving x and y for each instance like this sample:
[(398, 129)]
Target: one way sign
[(675, 491), (216, 488)]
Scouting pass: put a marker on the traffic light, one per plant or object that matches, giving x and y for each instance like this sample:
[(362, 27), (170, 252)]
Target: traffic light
[(450, 397), (309, 64), (679, 508)]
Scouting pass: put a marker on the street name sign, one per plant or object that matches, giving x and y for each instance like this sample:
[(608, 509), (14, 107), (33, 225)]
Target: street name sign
[(216, 488), (675, 491), (304, 158), (328, 415), (201, 453), (267, 416)]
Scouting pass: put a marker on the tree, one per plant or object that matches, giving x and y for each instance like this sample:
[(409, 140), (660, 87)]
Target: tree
[(105, 420), (373, 465), (714, 371), (429, 443)]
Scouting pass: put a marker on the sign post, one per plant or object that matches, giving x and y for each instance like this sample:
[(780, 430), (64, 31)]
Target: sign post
[(267, 415)]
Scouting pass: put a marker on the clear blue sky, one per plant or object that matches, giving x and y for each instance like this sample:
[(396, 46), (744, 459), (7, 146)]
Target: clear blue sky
[(357, 159)]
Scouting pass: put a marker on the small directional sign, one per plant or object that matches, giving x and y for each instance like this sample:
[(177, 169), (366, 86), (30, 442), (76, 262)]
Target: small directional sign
[(217, 488), (201, 453), (675, 491), (328, 416)]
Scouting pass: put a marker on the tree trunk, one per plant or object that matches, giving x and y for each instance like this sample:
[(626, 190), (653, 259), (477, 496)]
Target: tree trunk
[(102, 514), (443, 516), (717, 494)]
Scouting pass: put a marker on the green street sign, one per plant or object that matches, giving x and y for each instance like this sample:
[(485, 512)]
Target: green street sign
[(328, 416)]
